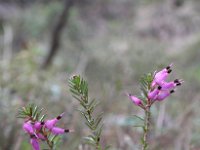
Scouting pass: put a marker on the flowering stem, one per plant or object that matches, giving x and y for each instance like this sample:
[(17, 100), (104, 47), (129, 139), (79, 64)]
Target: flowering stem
[(50, 144), (146, 128)]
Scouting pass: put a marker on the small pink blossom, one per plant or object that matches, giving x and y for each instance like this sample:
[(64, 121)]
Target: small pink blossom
[(28, 127), (57, 130), (164, 94), (170, 85), (135, 100), (152, 95), (49, 124), (161, 76), (35, 143), (41, 136), (38, 125)]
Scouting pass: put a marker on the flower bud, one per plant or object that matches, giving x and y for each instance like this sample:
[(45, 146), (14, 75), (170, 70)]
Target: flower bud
[(49, 124), (34, 142), (28, 127), (152, 95), (135, 100), (56, 130)]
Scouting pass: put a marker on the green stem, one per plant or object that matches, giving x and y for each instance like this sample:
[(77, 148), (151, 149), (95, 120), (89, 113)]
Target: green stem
[(50, 145), (146, 128)]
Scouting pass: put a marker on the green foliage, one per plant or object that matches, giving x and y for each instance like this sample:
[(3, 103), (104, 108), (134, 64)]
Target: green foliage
[(145, 84), (79, 89), (31, 111)]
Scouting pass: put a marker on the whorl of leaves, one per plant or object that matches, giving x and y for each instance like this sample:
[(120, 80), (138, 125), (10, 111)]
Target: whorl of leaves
[(145, 84), (32, 112), (79, 89)]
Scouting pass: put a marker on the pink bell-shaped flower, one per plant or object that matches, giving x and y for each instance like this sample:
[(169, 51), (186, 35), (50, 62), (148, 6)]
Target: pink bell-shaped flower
[(171, 85), (41, 136), (49, 124), (28, 127), (38, 125), (35, 143), (159, 78), (135, 100), (57, 130), (161, 75), (152, 95), (164, 94)]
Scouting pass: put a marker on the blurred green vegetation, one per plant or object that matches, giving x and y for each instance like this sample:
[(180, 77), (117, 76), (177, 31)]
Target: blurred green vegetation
[(111, 43)]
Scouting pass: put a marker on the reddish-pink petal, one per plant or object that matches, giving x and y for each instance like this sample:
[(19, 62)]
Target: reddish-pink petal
[(38, 125), (35, 144), (57, 130), (49, 124), (41, 136), (28, 127), (163, 94), (152, 95), (135, 100)]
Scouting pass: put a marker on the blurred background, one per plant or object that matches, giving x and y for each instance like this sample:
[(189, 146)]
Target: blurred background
[(110, 43)]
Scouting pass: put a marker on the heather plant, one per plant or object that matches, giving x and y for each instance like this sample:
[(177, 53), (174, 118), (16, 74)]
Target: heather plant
[(93, 120), (40, 129), (154, 88)]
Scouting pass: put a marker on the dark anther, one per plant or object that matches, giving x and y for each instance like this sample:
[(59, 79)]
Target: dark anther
[(32, 136), (42, 123), (168, 71), (168, 67), (172, 91), (98, 139), (178, 84), (59, 117), (159, 87), (176, 81), (66, 130)]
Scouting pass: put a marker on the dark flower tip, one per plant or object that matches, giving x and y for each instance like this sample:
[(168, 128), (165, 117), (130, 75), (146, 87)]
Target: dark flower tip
[(66, 130), (159, 87), (59, 117), (168, 67), (169, 71), (176, 81), (42, 123), (178, 84), (32, 136), (172, 91)]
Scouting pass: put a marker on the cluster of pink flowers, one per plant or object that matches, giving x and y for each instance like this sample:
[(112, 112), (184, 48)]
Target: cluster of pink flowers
[(160, 89), (39, 130)]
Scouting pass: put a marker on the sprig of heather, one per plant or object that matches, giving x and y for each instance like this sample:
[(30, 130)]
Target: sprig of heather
[(154, 88), (39, 129), (79, 89)]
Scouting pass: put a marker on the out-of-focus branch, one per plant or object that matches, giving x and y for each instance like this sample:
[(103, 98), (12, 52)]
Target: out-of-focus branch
[(56, 34)]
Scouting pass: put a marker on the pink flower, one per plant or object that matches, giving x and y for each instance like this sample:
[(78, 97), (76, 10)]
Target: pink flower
[(152, 95), (41, 136), (38, 125), (135, 100), (49, 124), (56, 130), (28, 127), (161, 75), (171, 85), (159, 78), (164, 94), (34, 142)]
